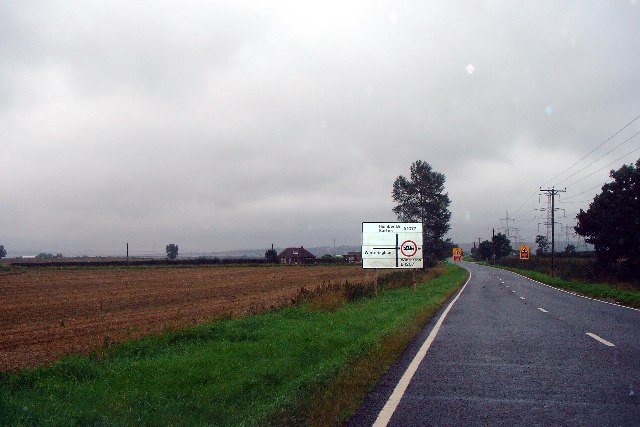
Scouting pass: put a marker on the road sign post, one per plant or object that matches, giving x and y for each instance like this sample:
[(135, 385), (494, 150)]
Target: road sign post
[(524, 252), (457, 254), (392, 245)]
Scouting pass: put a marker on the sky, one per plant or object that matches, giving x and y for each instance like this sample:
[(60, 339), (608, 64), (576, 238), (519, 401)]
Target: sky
[(223, 125)]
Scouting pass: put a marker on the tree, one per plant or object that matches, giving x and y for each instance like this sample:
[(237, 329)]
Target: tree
[(45, 255), (501, 245), (570, 249), (3, 252), (448, 246), (485, 250), (421, 198), (172, 251), (543, 244), (271, 255), (612, 223)]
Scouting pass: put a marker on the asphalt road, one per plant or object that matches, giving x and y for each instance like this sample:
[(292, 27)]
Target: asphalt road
[(515, 352)]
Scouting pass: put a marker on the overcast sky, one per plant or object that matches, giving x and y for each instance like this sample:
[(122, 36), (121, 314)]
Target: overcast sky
[(221, 125)]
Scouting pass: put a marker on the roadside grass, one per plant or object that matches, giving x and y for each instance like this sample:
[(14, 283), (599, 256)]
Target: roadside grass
[(304, 364), (601, 291)]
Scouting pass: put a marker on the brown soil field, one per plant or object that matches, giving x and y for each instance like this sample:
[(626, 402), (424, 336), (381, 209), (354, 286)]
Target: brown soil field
[(46, 313)]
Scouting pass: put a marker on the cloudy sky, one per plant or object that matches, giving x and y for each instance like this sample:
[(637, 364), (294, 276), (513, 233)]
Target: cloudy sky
[(222, 125)]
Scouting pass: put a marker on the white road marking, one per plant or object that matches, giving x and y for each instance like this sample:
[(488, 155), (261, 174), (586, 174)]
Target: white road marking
[(573, 293), (390, 407), (513, 292), (542, 310), (602, 340), (521, 297)]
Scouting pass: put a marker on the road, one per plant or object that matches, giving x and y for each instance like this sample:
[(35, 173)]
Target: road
[(515, 352)]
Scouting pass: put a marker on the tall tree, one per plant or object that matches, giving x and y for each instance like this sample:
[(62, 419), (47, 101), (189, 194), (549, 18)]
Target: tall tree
[(501, 245), (421, 198), (543, 244), (612, 222), (271, 255), (172, 251), (3, 252), (485, 250)]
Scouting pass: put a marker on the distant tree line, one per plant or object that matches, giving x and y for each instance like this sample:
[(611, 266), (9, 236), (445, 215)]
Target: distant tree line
[(498, 247), (150, 262), (44, 255)]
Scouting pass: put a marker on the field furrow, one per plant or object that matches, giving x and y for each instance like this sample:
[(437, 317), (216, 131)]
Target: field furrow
[(48, 313)]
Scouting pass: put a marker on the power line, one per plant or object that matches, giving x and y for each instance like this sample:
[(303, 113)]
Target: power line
[(590, 164), (604, 167), (595, 149), (605, 154), (525, 202), (585, 191), (576, 202)]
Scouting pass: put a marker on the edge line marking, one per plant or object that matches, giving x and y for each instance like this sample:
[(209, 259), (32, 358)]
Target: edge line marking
[(569, 292), (390, 407)]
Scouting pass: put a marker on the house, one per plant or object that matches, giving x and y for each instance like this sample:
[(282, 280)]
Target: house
[(353, 257), (296, 256)]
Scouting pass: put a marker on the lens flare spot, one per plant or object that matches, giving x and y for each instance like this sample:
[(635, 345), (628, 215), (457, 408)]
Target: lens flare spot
[(549, 110), (470, 68)]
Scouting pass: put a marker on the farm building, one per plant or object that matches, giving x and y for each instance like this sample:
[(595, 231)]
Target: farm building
[(353, 257), (296, 256)]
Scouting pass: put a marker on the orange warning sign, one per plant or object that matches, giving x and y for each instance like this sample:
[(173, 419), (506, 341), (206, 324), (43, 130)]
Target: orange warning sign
[(457, 254), (524, 252)]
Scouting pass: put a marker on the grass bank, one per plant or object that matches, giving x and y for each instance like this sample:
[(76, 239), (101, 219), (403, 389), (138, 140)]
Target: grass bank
[(607, 292), (282, 367)]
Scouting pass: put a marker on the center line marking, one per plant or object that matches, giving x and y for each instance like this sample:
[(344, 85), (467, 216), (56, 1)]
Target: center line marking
[(513, 292), (542, 310), (521, 297), (601, 340)]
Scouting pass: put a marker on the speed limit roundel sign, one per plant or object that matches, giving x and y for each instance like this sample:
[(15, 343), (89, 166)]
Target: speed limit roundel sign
[(408, 248)]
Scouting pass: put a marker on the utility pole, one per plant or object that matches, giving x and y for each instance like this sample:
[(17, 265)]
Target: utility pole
[(493, 244), (552, 192)]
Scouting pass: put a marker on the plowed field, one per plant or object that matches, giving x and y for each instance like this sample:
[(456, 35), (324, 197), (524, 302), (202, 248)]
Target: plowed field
[(47, 313)]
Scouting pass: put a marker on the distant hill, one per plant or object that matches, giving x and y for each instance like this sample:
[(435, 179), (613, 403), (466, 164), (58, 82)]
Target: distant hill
[(259, 253)]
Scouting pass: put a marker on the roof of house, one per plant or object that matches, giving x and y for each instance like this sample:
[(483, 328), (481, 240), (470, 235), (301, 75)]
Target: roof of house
[(296, 253)]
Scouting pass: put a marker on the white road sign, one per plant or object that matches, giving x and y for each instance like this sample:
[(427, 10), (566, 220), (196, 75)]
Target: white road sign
[(392, 245)]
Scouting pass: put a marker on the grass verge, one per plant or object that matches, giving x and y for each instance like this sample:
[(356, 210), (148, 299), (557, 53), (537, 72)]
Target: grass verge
[(298, 365), (601, 291)]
